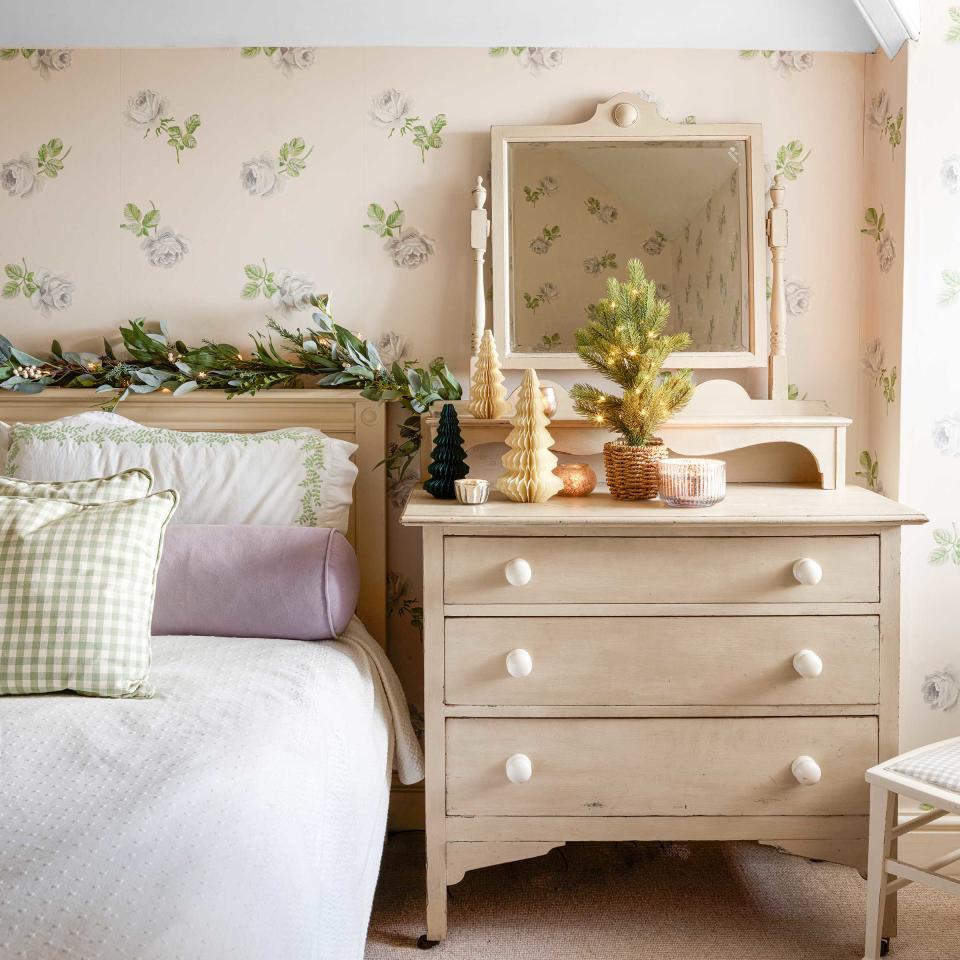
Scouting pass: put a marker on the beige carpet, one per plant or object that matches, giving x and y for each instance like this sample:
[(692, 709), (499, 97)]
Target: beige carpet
[(625, 901)]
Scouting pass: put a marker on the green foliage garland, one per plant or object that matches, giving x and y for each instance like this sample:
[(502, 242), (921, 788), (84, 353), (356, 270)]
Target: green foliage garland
[(325, 350)]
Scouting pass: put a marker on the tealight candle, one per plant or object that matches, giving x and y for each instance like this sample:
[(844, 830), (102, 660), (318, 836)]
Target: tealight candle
[(472, 491), (685, 482), (579, 479)]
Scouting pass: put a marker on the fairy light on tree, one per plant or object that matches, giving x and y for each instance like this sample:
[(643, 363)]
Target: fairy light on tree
[(625, 341)]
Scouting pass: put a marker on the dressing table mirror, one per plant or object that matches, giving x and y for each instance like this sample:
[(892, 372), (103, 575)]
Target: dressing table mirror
[(572, 203)]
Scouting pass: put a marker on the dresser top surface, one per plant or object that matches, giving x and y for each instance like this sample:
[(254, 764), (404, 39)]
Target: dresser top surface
[(744, 504)]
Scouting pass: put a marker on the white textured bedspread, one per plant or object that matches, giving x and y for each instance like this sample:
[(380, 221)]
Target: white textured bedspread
[(238, 815)]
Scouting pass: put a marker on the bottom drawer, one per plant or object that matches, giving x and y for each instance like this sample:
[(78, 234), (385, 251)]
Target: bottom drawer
[(659, 767)]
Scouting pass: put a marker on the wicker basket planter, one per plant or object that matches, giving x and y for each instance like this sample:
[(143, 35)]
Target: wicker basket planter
[(632, 471)]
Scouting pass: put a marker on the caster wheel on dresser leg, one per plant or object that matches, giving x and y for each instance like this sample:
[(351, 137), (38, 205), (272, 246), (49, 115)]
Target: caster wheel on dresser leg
[(884, 946), (424, 944)]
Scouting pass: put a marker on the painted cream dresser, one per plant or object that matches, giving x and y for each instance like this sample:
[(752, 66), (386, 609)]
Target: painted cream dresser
[(601, 670)]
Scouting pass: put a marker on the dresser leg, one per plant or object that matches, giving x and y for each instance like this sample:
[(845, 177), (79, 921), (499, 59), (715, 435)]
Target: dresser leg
[(436, 896)]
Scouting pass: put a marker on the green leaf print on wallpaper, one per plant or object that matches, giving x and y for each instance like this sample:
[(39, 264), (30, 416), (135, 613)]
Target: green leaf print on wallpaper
[(953, 34), (869, 470), (790, 159), (384, 224), (951, 287), (947, 549)]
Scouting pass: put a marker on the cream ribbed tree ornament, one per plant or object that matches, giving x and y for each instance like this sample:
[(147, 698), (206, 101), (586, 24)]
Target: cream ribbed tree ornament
[(488, 397), (529, 462)]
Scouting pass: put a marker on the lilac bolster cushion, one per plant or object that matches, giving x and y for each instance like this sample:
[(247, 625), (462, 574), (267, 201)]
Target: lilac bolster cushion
[(222, 580)]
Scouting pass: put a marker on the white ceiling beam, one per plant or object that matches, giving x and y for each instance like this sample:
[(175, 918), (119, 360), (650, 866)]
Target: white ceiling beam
[(892, 22), (697, 24)]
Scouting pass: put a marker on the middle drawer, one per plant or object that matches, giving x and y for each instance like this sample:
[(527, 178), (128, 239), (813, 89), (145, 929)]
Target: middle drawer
[(667, 661)]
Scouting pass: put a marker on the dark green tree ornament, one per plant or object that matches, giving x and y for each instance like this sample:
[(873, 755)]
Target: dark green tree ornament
[(448, 462)]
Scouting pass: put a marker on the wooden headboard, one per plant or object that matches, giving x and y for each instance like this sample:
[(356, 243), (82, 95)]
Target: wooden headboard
[(338, 413)]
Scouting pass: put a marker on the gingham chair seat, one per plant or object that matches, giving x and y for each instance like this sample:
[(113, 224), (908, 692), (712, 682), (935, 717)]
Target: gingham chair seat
[(939, 766)]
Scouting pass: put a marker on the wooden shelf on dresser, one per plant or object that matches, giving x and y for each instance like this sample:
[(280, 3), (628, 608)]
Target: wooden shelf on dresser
[(655, 695)]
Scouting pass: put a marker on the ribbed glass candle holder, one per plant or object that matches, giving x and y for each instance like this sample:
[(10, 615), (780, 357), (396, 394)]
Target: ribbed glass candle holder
[(685, 482)]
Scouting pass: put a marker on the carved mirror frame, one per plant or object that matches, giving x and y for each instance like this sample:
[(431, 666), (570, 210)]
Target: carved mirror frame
[(627, 117)]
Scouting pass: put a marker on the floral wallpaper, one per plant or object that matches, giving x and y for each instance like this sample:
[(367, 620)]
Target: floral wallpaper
[(928, 390), (214, 188)]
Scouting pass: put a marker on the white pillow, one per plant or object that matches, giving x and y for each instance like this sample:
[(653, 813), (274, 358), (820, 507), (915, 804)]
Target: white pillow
[(297, 476)]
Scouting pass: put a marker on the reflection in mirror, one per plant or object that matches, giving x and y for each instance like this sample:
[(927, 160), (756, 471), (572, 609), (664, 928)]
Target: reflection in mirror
[(579, 211)]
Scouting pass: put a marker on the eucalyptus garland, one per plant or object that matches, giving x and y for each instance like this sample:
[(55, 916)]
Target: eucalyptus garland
[(325, 350)]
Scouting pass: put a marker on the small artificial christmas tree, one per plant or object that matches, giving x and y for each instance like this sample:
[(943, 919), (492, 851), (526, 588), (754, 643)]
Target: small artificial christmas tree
[(624, 340), (529, 462), (488, 397), (448, 462)]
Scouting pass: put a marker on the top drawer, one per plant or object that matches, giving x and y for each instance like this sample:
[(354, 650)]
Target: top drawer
[(660, 569)]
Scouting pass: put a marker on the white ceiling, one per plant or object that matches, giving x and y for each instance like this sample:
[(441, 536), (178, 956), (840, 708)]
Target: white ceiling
[(854, 25)]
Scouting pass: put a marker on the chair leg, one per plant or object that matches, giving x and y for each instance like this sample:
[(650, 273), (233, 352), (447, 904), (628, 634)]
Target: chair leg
[(882, 811)]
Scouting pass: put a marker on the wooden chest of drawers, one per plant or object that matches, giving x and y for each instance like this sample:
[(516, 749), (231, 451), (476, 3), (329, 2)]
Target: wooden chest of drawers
[(605, 670)]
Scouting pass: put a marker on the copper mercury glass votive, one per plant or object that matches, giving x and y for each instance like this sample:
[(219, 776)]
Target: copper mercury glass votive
[(579, 479)]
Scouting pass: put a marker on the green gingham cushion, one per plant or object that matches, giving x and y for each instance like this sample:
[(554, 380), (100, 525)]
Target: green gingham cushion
[(939, 766), (76, 593), (129, 485)]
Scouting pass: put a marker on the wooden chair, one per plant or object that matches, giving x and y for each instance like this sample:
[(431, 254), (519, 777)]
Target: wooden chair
[(929, 775)]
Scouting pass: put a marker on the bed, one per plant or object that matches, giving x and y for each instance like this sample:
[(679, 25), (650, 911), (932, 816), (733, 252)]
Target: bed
[(241, 812)]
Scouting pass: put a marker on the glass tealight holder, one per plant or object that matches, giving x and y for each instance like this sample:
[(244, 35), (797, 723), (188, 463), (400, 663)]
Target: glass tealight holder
[(685, 482)]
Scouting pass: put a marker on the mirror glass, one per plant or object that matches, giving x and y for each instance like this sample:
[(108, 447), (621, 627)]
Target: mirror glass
[(579, 210)]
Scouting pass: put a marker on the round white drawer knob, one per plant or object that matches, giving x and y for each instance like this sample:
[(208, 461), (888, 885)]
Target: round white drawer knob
[(806, 770), (518, 572), (808, 572), (808, 664), (519, 663), (519, 768)]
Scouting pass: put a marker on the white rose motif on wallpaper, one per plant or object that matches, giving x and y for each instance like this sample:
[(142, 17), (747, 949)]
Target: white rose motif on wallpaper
[(785, 62), (873, 357), (392, 347), (145, 111), (878, 110), (798, 297), (876, 227), (259, 176), (144, 108), (946, 435), (46, 61), (941, 689), (387, 109), (293, 292), (950, 174), (51, 61), (266, 176), (162, 248), (285, 289), (407, 246), (391, 110), (18, 177), (410, 248), (166, 248), (24, 177), (288, 60), (535, 59), (46, 290)]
